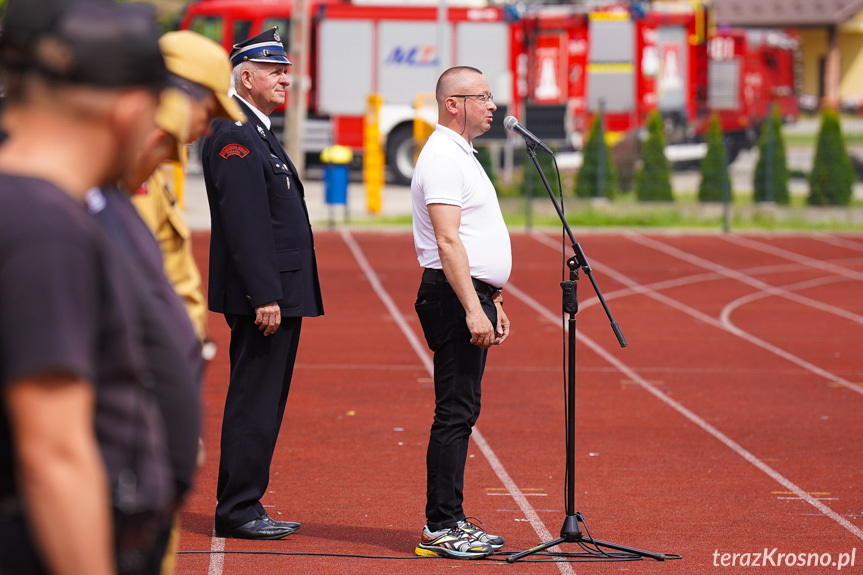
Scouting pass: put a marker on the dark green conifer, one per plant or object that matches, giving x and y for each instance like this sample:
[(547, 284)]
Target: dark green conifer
[(832, 178), (714, 171), (770, 182), (653, 180), (590, 181)]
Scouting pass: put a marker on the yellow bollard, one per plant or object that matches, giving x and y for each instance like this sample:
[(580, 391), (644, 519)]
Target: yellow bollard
[(373, 155), (179, 177), (425, 108)]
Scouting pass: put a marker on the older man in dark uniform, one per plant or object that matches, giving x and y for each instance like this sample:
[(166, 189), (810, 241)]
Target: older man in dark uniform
[(263, 278)]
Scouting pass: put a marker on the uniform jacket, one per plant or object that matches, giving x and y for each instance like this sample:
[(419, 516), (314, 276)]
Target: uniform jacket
[(261, 244)]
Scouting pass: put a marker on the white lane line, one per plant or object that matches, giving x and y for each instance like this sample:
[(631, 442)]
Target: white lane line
[(418, 347), (478, 438), (841, 242), (754, 282), (650, 291), (672, 283), (820, 265), (508, 495), (832, 377), (217, 555), (725, 315), (691, 416), (694, 278)]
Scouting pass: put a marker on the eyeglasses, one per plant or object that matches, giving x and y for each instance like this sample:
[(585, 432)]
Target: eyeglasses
[(481, 98)]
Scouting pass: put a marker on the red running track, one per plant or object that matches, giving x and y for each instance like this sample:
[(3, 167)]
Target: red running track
[(728, 426)]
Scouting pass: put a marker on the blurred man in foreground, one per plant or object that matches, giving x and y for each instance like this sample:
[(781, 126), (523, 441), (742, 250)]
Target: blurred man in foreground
[(85, 484)]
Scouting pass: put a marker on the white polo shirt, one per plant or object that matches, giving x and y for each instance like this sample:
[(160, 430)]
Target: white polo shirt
[(447, 172)]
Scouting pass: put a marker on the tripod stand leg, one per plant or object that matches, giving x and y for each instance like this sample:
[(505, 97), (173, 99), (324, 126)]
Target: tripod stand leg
[(569, 533), (598, 543), (573, 538), (537, 549)]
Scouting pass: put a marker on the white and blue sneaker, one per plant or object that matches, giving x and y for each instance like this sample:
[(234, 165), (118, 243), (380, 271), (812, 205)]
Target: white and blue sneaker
[(454, 543), (479, 533)]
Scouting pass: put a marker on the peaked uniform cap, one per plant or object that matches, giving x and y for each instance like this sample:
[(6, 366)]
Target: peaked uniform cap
[(265, 47)]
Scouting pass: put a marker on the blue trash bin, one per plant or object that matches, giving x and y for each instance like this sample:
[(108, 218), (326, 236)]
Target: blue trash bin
[(336, 184), (336, 166)]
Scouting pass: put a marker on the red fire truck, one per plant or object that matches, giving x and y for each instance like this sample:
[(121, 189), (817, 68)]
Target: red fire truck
[(357, 50), (552, 68), (631, 61), (575, 64), (751, 71), (626, 62)]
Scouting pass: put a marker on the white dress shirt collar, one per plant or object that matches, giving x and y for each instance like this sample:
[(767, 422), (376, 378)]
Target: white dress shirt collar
[(261, 116)]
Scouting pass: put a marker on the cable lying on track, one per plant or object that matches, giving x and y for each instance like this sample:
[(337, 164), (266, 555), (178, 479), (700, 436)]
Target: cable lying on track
[(589, 556)]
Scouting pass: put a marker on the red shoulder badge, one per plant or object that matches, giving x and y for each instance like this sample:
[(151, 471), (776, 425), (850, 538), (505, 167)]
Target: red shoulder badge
[(234, 150)]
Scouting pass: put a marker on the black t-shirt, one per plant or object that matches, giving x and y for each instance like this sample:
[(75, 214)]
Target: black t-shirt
[(67, 306), (171, 347)]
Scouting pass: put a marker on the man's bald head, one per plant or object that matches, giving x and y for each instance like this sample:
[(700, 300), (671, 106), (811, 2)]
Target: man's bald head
[(451, 80)]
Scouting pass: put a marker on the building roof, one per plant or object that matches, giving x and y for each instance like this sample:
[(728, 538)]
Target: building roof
[(785, 13)]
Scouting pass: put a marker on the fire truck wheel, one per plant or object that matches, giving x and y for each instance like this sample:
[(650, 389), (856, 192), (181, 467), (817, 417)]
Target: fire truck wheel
[(400, 154)]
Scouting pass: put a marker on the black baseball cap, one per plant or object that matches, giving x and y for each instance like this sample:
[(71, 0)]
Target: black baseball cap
[(22, 24), (87, 42)]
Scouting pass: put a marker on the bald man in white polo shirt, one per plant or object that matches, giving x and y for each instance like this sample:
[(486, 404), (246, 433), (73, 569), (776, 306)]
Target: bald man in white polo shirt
[(463, 245)]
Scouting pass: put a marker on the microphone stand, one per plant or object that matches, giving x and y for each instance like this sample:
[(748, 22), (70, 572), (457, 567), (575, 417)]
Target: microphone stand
[(571, 531)]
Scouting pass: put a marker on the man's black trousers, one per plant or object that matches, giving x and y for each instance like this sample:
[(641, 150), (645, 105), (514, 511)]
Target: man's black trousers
[(458, 369)]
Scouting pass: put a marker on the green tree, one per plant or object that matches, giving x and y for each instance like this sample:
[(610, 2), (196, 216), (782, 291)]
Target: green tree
[(832, 178), (653, 180), (591, 181), (714, 170), (770, 181)]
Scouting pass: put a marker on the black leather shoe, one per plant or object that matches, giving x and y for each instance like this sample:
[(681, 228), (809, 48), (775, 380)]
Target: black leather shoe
[(255, 529), (293, 526)]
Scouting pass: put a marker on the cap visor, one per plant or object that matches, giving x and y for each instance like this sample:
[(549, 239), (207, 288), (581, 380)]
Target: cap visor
[(229, 108), (272, 60)]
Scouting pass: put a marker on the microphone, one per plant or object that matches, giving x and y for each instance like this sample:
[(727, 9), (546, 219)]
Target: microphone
[(511, 124)]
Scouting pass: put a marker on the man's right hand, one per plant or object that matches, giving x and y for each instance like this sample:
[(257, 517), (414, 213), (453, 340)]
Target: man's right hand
[(481, 330), (268, 317)]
